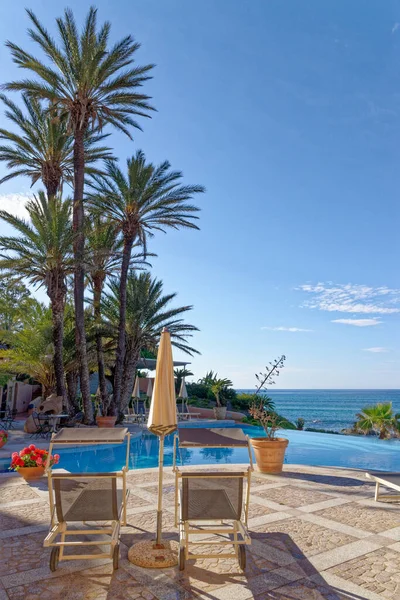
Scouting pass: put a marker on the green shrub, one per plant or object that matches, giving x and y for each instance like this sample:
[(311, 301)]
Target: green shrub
[(199, 402)]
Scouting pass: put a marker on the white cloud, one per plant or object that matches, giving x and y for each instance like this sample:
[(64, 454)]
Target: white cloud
[(15, 204), (395, 27), (352, 298), (291, 329), (377, 349), (358, 322)]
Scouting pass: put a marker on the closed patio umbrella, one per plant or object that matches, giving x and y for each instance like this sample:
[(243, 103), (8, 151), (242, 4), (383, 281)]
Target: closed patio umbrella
[(183, 394), (162, 421), (149, 392), (136, 393)]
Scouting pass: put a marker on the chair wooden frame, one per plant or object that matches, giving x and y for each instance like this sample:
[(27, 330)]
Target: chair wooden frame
[(385, 480), (80, 437), (236, 528)]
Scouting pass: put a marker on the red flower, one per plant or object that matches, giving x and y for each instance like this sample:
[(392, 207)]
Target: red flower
[(32, 447), (39, 461), (56, 458), (14, 455)]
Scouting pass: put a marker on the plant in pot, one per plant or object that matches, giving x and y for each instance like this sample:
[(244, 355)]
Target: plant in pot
[(269, 450), (30, 462), (218, 386), (3, 437), (105, 413)]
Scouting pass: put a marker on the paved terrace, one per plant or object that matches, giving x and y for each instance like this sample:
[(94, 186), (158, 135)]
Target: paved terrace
[(316, 534)]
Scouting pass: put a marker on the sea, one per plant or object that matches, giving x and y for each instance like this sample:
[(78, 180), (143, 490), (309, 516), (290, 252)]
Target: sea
[(328, 409)]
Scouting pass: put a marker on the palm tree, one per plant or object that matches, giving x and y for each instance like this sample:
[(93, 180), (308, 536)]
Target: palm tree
[(148, 312), (93, 85), (179, 375), (379, 419), (44, 147), (42, 253), (104, 251), (148, 198)]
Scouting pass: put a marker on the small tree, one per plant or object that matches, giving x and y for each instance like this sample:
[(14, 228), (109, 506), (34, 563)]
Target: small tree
[(218, 387)]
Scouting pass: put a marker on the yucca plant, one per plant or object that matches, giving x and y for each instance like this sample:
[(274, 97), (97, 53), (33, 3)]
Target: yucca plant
[(93, 84), (218, 386)]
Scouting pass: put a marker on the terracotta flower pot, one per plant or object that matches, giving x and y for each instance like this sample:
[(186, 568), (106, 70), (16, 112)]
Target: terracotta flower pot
[(219, 412), (106, 421), (269, 454), (31, 473)]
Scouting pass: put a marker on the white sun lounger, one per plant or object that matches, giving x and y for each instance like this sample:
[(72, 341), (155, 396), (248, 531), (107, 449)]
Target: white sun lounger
[(390, 480)]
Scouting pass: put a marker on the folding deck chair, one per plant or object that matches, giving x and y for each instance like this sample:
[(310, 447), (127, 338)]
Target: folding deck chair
[(389, 480), (86, 498), (212, 502)]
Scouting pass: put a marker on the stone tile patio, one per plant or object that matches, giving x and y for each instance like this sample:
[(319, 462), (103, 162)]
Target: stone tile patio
[(316, 534)]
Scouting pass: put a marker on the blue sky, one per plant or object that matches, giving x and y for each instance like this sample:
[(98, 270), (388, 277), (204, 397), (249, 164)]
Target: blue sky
[(289, 114)]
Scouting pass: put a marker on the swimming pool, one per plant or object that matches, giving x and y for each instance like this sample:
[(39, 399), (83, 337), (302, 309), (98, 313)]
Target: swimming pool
[(305, 448)]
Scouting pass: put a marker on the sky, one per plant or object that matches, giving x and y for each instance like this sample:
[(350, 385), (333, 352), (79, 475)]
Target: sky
[(289, 114)]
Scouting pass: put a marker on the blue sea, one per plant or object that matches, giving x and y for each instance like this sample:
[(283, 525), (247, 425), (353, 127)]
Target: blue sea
[(328, 409)]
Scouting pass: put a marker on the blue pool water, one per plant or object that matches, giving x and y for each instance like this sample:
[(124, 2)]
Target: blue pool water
[(305, 448)]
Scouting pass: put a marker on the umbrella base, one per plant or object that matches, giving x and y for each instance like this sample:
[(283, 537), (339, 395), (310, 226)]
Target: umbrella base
[(150, 556)]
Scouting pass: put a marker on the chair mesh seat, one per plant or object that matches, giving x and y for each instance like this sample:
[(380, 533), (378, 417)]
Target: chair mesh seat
[(204, 499), (87, 499)]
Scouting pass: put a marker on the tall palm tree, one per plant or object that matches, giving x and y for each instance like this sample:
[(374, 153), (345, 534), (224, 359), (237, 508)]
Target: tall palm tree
[(42, 253), (148, 198), (148, 312), (43, 147), (104, 252), (93, 85)]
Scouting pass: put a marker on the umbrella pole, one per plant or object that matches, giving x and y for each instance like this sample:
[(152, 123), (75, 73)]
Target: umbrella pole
[(160, 489)]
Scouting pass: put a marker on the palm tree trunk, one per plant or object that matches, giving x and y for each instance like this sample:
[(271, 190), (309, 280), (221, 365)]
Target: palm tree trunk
[(97, 289), (130, 363), (57, 309), (79, 278), (120, 354), (72, 389)]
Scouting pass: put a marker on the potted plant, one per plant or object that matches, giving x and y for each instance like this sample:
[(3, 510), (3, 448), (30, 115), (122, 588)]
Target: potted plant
[(30, 462), (105, 416), (269, 450), (3, 437), (218, 386)]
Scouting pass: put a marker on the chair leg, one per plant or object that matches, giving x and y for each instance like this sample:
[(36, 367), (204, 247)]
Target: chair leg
[(377, 491)]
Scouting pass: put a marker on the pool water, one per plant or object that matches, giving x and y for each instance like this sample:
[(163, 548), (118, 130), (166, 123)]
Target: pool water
[(305, 448)]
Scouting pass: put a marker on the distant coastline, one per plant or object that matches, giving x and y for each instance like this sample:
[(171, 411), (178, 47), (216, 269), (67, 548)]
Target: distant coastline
[(332, 409)]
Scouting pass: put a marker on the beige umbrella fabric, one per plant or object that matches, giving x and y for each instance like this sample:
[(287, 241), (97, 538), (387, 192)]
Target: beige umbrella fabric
[(162, 421), (162, 416)]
